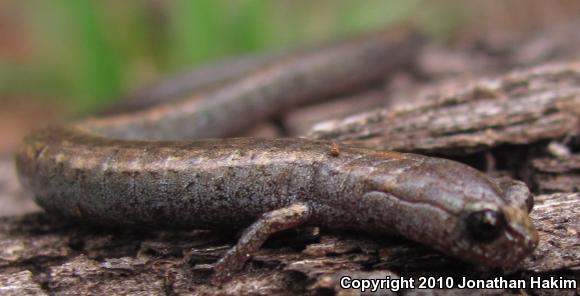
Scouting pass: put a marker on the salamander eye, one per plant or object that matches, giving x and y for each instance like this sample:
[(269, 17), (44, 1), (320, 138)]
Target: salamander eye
[(485, 225)]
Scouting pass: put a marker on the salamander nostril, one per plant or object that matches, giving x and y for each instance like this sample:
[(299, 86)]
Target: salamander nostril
[(485, 225)]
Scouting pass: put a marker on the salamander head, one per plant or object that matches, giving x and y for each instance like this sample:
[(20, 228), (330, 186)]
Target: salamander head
[(461, 212)]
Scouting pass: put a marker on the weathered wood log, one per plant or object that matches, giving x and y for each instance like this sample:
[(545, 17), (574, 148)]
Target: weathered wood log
[(457, 65), (519, 108), (556, 174), (40, 255), (301, 120)]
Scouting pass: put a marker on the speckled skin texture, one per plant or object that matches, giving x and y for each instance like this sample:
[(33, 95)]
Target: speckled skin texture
[(97, 171), (230, 183)]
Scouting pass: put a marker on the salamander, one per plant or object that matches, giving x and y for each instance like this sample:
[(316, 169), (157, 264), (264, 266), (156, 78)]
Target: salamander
[(164, 168)]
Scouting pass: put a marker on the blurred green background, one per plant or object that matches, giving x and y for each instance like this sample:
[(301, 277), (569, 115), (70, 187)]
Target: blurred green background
[(84, 54)]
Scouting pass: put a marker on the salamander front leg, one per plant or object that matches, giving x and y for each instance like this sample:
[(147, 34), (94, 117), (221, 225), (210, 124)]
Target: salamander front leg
[(255, 235)]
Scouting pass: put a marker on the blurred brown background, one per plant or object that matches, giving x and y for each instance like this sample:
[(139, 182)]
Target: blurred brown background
[(68, 58)]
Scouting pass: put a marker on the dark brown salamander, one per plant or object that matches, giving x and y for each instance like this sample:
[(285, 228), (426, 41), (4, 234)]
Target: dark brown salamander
[(123, 170)]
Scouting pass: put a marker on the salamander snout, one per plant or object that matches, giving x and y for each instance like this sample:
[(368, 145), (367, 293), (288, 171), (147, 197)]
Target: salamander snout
[(496, 236)]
